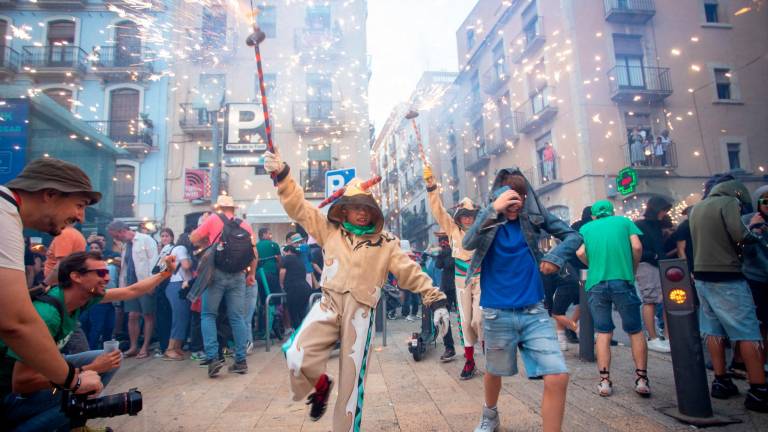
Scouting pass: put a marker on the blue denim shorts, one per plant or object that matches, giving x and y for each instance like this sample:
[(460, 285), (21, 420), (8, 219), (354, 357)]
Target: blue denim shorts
[(604, 295), (529, 329), (728, 310)]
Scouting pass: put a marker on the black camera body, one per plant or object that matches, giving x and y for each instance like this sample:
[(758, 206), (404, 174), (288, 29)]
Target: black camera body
[(80, 408)]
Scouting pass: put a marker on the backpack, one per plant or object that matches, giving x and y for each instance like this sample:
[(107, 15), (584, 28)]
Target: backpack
[(39, 293), (234, 252)]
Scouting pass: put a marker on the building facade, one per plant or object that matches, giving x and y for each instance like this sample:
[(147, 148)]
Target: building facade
[(316, 74), (100, 61), (398, 160), (573, 92)]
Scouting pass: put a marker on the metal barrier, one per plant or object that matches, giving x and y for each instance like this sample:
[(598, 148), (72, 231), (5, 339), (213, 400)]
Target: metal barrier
[(267, 302), (384, 319), (586, 325)]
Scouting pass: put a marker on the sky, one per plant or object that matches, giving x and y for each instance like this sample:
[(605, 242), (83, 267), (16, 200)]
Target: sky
[(406, 38)]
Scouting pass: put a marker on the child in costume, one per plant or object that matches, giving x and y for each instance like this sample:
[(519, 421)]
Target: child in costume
[(467, 291), (358, 255)]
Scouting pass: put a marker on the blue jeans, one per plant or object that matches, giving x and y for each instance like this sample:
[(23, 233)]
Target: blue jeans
[(411, 303), (41, 411), (98, 323), (604, 295), (230, 287), (179, 311), (531, 330), (251, 298), (728, 310)]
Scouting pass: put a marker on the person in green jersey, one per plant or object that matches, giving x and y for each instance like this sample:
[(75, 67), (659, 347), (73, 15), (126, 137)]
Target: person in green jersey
[(612, 251)]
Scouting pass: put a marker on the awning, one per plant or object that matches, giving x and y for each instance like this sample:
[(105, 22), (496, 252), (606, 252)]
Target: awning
[(265, 211)]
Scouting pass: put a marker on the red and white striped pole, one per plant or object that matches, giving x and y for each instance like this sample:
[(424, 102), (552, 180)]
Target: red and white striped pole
[(254, 40)]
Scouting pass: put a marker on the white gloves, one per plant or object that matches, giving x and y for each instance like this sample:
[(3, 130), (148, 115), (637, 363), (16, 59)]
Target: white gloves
[(442, 320), (272, 162)]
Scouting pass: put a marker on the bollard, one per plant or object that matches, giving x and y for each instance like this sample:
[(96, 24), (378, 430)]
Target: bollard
[(693, 404), (267, 301), (586, 326)]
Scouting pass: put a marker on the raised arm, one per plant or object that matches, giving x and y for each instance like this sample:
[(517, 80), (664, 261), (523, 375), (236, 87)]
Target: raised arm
[(439, 212), (410, 277), (141, 287)]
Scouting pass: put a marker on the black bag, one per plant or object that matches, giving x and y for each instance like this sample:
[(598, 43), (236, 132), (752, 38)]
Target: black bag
[(234, 252)]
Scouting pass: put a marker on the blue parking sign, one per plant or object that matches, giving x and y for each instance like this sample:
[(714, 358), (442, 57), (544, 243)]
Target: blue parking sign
[(337, 179)]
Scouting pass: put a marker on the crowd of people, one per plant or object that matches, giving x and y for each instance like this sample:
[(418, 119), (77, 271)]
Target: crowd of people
[(75, 308)]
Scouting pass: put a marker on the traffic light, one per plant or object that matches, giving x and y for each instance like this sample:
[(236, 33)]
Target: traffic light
[(676, 286)]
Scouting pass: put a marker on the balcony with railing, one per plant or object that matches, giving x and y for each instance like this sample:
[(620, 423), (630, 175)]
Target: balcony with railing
[(318, 116), (115, 61), (476, 157), (9, 61), (538, 110), (313, 181), (495, 143), (195, 120), (495, 77), (54, 60), (529, 40), (133, 135), (317, 44), (629, 11), (639, 84), (654, 160)]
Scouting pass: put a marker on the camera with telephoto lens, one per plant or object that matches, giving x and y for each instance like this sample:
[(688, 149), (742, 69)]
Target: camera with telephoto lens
[(80, 408)]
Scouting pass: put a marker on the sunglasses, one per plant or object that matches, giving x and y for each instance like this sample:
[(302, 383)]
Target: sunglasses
[(99, 272), (762, 201)]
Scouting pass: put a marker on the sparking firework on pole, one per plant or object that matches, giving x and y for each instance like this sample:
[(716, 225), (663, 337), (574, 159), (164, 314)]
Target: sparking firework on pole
[(254, 40)]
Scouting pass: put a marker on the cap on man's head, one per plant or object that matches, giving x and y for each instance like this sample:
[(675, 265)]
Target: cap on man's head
[(55, 174), (225, 201), (117, 225), (602, 208), (296, 238)]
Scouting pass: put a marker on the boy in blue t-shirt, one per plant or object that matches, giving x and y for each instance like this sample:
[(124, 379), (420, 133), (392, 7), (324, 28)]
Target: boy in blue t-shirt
[(505, 240)]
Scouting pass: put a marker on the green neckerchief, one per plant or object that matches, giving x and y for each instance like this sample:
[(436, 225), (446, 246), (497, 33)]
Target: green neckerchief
[(359, 230)]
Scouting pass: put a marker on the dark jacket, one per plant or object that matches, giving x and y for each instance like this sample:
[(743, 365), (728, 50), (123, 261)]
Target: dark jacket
[(718, 231), (756, 254), (534, 220), (653, 237), (446, 264)]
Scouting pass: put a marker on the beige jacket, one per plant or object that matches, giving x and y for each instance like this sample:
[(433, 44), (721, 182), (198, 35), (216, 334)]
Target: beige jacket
[(358, 265), (447, 224)]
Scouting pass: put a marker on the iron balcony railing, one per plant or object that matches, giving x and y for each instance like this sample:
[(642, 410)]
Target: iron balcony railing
[(55, 56), (629, 11), (529, 40), (540, 108), (318, 115), (639, 83), (9, 59), (495, 76), (476, 156), (122, 56), (125, 132), (647, 156), (194, 117)]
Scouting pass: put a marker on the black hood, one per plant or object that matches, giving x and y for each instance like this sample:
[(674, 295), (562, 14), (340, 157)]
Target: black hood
[(656, 204), (532, 204)]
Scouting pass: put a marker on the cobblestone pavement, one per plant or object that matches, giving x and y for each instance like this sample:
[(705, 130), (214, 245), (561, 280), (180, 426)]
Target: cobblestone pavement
[(401, 395)]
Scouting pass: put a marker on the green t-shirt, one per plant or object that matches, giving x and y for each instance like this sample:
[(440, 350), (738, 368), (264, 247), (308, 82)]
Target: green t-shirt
[(268, 251), (608, 249), (53, 320)]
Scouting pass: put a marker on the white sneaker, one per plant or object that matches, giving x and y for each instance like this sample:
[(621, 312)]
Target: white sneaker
[(659, 345), (605, 387), (489, 422), (411, 317)]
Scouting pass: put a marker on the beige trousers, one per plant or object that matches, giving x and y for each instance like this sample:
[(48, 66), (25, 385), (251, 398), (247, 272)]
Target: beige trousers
[(335, 317)]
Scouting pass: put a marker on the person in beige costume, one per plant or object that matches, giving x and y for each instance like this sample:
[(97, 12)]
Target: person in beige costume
[(467, 291), (358, 255)]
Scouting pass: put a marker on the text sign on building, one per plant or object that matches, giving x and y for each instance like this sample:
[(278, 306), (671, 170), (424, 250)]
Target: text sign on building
[(626, 181), (197, 184), (244, 129), (14, 127), (336, 179)]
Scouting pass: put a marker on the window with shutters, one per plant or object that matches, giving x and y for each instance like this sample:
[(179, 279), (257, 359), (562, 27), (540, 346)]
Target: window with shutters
[(125, 181), (629, 61), (214, 27), (124, 115), (127, 44), (60, 39)]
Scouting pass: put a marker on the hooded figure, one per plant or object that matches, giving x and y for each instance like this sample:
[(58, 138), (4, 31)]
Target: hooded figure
[(467, 290), (505, 240), (755, 255), (358, 256)]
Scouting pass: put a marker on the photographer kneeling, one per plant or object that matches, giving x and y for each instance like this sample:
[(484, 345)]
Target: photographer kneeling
[(83, 277)]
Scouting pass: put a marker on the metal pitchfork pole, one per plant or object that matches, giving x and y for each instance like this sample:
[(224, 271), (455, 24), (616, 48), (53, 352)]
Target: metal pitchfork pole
[(254, 40)]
